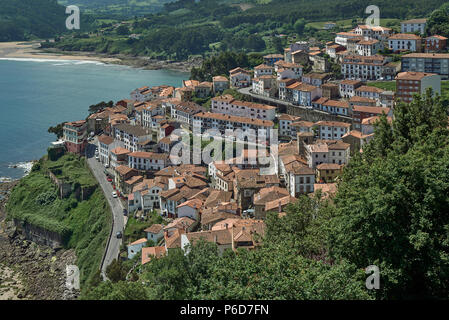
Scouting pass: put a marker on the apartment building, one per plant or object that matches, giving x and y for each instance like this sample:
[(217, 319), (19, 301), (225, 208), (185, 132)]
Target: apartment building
[(332, 130), (231, 106), (223, 122), (427, 62), (368, 47), (404, 42), (435, 43), (409, 83), (363, 68), (347, 88), (413, 25), (147, 161), (130, 135), (75, 136)]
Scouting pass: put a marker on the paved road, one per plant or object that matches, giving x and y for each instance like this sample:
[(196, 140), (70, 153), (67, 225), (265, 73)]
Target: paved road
[(113, 249)]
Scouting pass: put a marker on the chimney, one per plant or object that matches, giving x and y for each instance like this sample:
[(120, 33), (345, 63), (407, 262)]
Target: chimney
[(226, 225)]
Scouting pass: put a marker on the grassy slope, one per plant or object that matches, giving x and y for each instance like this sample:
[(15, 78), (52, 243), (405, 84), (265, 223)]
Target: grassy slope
[(391, 85), (87, 223)]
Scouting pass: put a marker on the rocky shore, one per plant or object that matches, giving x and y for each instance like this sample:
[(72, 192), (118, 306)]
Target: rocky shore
[(135, 62), (27, 270)]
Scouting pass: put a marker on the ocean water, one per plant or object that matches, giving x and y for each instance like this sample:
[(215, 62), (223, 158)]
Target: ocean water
[(36, 94)]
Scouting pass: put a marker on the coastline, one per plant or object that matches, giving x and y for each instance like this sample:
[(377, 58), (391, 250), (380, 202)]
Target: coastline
[(31, 50)]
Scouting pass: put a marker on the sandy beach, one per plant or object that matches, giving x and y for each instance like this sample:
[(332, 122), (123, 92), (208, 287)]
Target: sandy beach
[(30, 50)]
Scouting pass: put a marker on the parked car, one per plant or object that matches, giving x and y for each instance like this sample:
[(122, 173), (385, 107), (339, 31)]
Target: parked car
[(106, 165), (109, 180), (125, 212), (118, 234), (97, 157), (114, 194)]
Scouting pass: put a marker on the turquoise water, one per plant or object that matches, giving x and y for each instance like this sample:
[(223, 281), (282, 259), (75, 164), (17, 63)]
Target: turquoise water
[(36, 94)]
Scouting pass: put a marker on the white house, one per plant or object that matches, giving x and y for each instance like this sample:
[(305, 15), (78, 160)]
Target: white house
[(404, 41), (135, 247), (414, 25), (147, 160), (155, 232), (190, 209)]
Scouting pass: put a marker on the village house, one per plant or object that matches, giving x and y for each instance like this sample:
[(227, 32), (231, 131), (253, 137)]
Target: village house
[(357, 139), (271, 59), (363, 68), (413, 25), (119, 157), (231, 106), (330, 90), (149, 253), (155, 232), (266, 195), (368, 47), (361, 112), (342, 37), (135, 247), (263, 70), (252, 127), (122, 174), (303, 94), (404, 42), (435, 43), (328, 172), (75, 136), (105, 144), (284, 124), (130, 135), (347, 87), (147, 161), (239, 78), (222, 211), (284, 89), (220, 84), (332, 130), (151, 114), (184, 111), (145, 195), (315, 79), (264, 85), (291, 70), (369, 92), (327, 151), (184, 93)]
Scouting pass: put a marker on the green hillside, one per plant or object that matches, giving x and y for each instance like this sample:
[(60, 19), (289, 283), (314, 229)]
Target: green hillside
[(27, 19), (83, 225)]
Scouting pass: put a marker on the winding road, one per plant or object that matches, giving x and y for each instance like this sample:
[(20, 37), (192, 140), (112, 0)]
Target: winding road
[(113, 246)]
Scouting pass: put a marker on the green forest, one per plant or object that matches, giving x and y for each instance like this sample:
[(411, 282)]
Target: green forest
[(28, 19), (186, 28), (389, 211)]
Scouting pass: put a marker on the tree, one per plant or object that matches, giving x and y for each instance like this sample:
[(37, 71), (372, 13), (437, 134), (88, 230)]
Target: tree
[(122, 30), (116, 271), (299, 26), (57, 130), (391, 204)]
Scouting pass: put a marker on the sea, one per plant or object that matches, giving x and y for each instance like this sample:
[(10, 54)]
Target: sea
[(38, 93)]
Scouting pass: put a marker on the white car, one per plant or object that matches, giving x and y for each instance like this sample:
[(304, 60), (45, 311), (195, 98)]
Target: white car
[(114, 194), (97, 157)]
